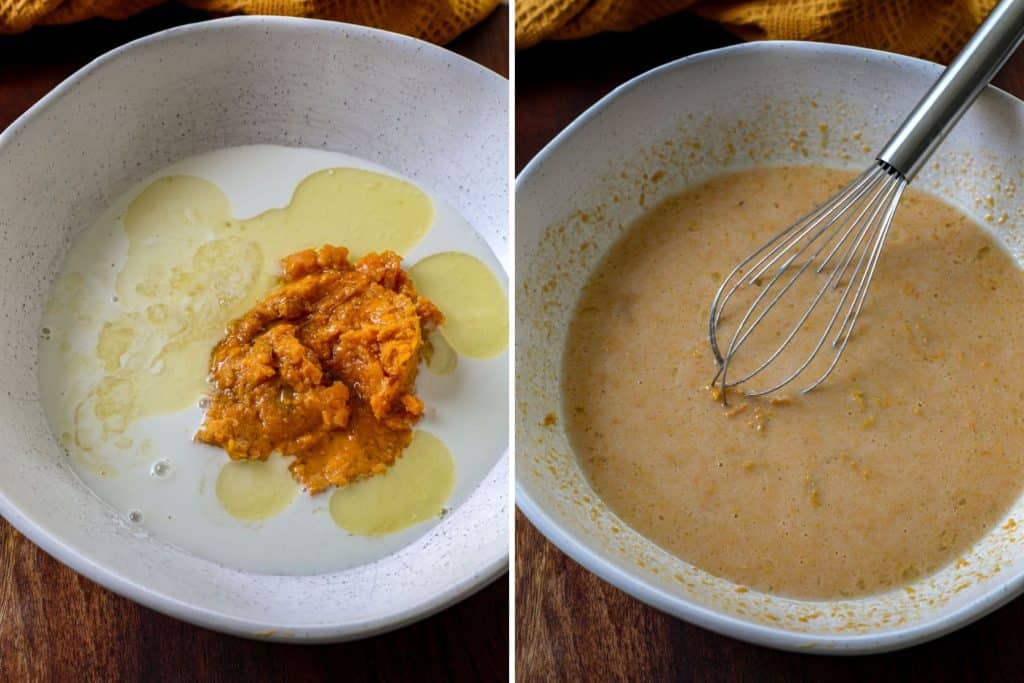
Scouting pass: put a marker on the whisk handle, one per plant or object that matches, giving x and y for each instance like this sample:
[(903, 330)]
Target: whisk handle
[(960, 84)]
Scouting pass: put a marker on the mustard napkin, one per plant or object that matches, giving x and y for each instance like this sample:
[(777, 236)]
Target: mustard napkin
[(438, 21), (931, 29)]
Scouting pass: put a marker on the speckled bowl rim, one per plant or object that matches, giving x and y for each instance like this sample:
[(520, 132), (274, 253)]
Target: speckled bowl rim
[(676, 605), (166, 604)]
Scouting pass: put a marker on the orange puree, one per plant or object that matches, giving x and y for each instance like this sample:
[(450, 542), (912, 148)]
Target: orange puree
[(323, 369)]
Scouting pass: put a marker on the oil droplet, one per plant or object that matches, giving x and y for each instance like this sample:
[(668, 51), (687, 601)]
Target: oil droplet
[(473, 302), (360, 210), (439, 356), (254, 489), (413, 490), (161, 468), (135, 516)]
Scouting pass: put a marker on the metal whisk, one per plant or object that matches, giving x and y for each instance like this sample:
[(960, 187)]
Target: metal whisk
[(841, 241)]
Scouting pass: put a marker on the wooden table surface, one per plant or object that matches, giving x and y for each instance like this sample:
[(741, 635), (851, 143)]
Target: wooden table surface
[(56, 625), (570, 625)]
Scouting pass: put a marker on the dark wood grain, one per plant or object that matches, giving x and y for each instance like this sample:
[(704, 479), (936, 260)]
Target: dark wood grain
[(58, 626), (572, 626)]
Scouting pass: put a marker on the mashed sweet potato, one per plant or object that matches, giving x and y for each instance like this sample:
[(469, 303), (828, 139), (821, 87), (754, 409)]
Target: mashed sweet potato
[(323, 369)]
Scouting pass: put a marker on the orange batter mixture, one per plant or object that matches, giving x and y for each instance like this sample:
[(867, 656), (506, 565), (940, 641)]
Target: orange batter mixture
[(909, 453), (323, 369)]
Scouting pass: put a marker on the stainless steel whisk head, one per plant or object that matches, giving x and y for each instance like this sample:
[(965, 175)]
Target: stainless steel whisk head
[(841, 241)]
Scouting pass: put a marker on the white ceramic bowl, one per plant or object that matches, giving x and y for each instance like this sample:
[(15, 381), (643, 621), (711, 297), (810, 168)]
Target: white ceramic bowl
[(408, 105), (761, 103)]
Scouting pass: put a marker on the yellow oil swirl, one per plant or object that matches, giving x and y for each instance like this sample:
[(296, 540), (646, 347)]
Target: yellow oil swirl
[(474, 303), (252, 490), (413, 490)]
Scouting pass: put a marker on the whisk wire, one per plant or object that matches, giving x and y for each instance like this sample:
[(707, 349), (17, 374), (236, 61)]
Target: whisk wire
[(837, 206), (845, 233), (878, 231), (804, 225), (852, 228), (865, 284)]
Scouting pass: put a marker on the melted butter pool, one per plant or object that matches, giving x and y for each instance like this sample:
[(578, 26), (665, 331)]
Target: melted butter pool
[(473, 301), (144, 295), (413, 490), (256, 489)]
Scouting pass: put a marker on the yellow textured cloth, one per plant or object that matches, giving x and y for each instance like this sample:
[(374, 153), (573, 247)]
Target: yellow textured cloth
[(933, 29), (438, 21)]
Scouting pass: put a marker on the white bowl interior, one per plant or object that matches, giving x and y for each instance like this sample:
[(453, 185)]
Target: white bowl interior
[(757, 104), (415, 108)]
